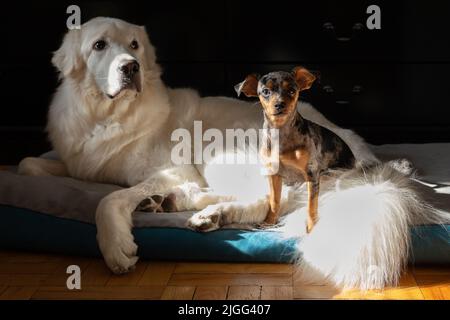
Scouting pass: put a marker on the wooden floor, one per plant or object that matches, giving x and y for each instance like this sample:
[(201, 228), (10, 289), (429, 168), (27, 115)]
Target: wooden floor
[(43, 276)]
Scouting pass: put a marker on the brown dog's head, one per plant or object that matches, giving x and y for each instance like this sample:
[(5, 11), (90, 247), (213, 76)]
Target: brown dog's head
[(277, 91)]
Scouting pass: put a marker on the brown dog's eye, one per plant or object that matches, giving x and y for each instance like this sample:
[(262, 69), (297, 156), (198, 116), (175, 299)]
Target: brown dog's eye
[(292, 92), (134, 45), (266, 92), (99, 45)]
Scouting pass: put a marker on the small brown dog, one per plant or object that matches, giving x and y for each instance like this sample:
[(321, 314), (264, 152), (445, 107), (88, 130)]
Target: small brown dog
[(306, 150)]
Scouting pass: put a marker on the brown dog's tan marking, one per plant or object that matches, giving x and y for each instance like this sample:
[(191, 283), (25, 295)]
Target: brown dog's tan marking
[(306, 150), (275, 182), (297, 159), (313, 204)]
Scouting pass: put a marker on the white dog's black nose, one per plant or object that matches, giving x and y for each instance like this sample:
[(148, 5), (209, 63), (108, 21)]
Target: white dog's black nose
[(129, 68)]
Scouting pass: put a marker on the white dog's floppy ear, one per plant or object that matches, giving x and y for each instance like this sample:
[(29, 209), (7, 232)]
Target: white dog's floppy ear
[(249, 86), (67, 59), (149, 50)]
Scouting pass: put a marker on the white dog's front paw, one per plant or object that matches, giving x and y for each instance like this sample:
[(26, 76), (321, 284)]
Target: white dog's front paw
[(115, 239), (119, 253), (207, 220)]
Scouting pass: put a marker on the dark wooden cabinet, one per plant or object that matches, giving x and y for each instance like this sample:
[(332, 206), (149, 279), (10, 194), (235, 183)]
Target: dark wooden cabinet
[(390, 85)]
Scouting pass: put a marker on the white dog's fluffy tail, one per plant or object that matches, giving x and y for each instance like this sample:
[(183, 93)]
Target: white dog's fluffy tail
[(363, 236)]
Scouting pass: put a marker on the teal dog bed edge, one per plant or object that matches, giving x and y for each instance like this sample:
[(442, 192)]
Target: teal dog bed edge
[(24, 229)]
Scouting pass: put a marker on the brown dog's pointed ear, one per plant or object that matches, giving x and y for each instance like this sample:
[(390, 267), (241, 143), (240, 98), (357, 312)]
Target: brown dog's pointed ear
[(303, 77), (249, 86)]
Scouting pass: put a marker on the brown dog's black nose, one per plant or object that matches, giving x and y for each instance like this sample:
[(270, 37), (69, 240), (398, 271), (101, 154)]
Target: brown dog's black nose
[(280, 106), (129, 68)]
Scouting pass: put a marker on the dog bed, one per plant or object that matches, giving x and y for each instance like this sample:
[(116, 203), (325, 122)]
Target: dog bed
[(54, 214)]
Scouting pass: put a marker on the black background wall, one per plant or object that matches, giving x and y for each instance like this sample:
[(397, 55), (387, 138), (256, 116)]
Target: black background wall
[(390, 85)]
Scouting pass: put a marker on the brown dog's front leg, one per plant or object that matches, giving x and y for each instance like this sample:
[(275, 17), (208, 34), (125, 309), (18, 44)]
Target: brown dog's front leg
[(275, 182), (313, 203)]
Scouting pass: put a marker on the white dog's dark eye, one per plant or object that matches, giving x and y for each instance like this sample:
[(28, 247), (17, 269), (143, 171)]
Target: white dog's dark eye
[(134, 45), (99, 45)]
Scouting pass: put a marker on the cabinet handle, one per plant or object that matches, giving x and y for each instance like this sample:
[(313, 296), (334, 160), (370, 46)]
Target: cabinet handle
[(328, 89), (329, 28), (356, 89)]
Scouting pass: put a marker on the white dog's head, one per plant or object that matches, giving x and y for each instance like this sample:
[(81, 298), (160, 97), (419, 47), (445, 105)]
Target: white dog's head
[(112, 53)]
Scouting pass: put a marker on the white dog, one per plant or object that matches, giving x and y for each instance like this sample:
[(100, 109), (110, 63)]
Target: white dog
[(111, 121)]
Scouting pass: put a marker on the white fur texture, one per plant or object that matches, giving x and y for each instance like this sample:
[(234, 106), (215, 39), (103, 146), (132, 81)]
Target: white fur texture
[(363, 236), (361, 239)]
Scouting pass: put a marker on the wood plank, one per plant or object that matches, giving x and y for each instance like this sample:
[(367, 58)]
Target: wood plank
[(178, 293), (276, 293), (432, 280), (387, 294), (210, 279), (435, 292), (427, 276), (25, 275), (18, 293), (211, 293), (406, 290), (435, 270), (130, 278), (29, 257), (157, 274), (28, 268), (5, 254), (309, 292), (103, 293), (433, 283), (96, 274), (233, 268), (445, 292), (412, 293), (23, 280), (244, 293)]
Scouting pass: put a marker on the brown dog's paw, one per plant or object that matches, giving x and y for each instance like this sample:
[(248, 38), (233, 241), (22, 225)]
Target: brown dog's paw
[(271, 218), (158, 203), (310, 225), (270, 221)]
